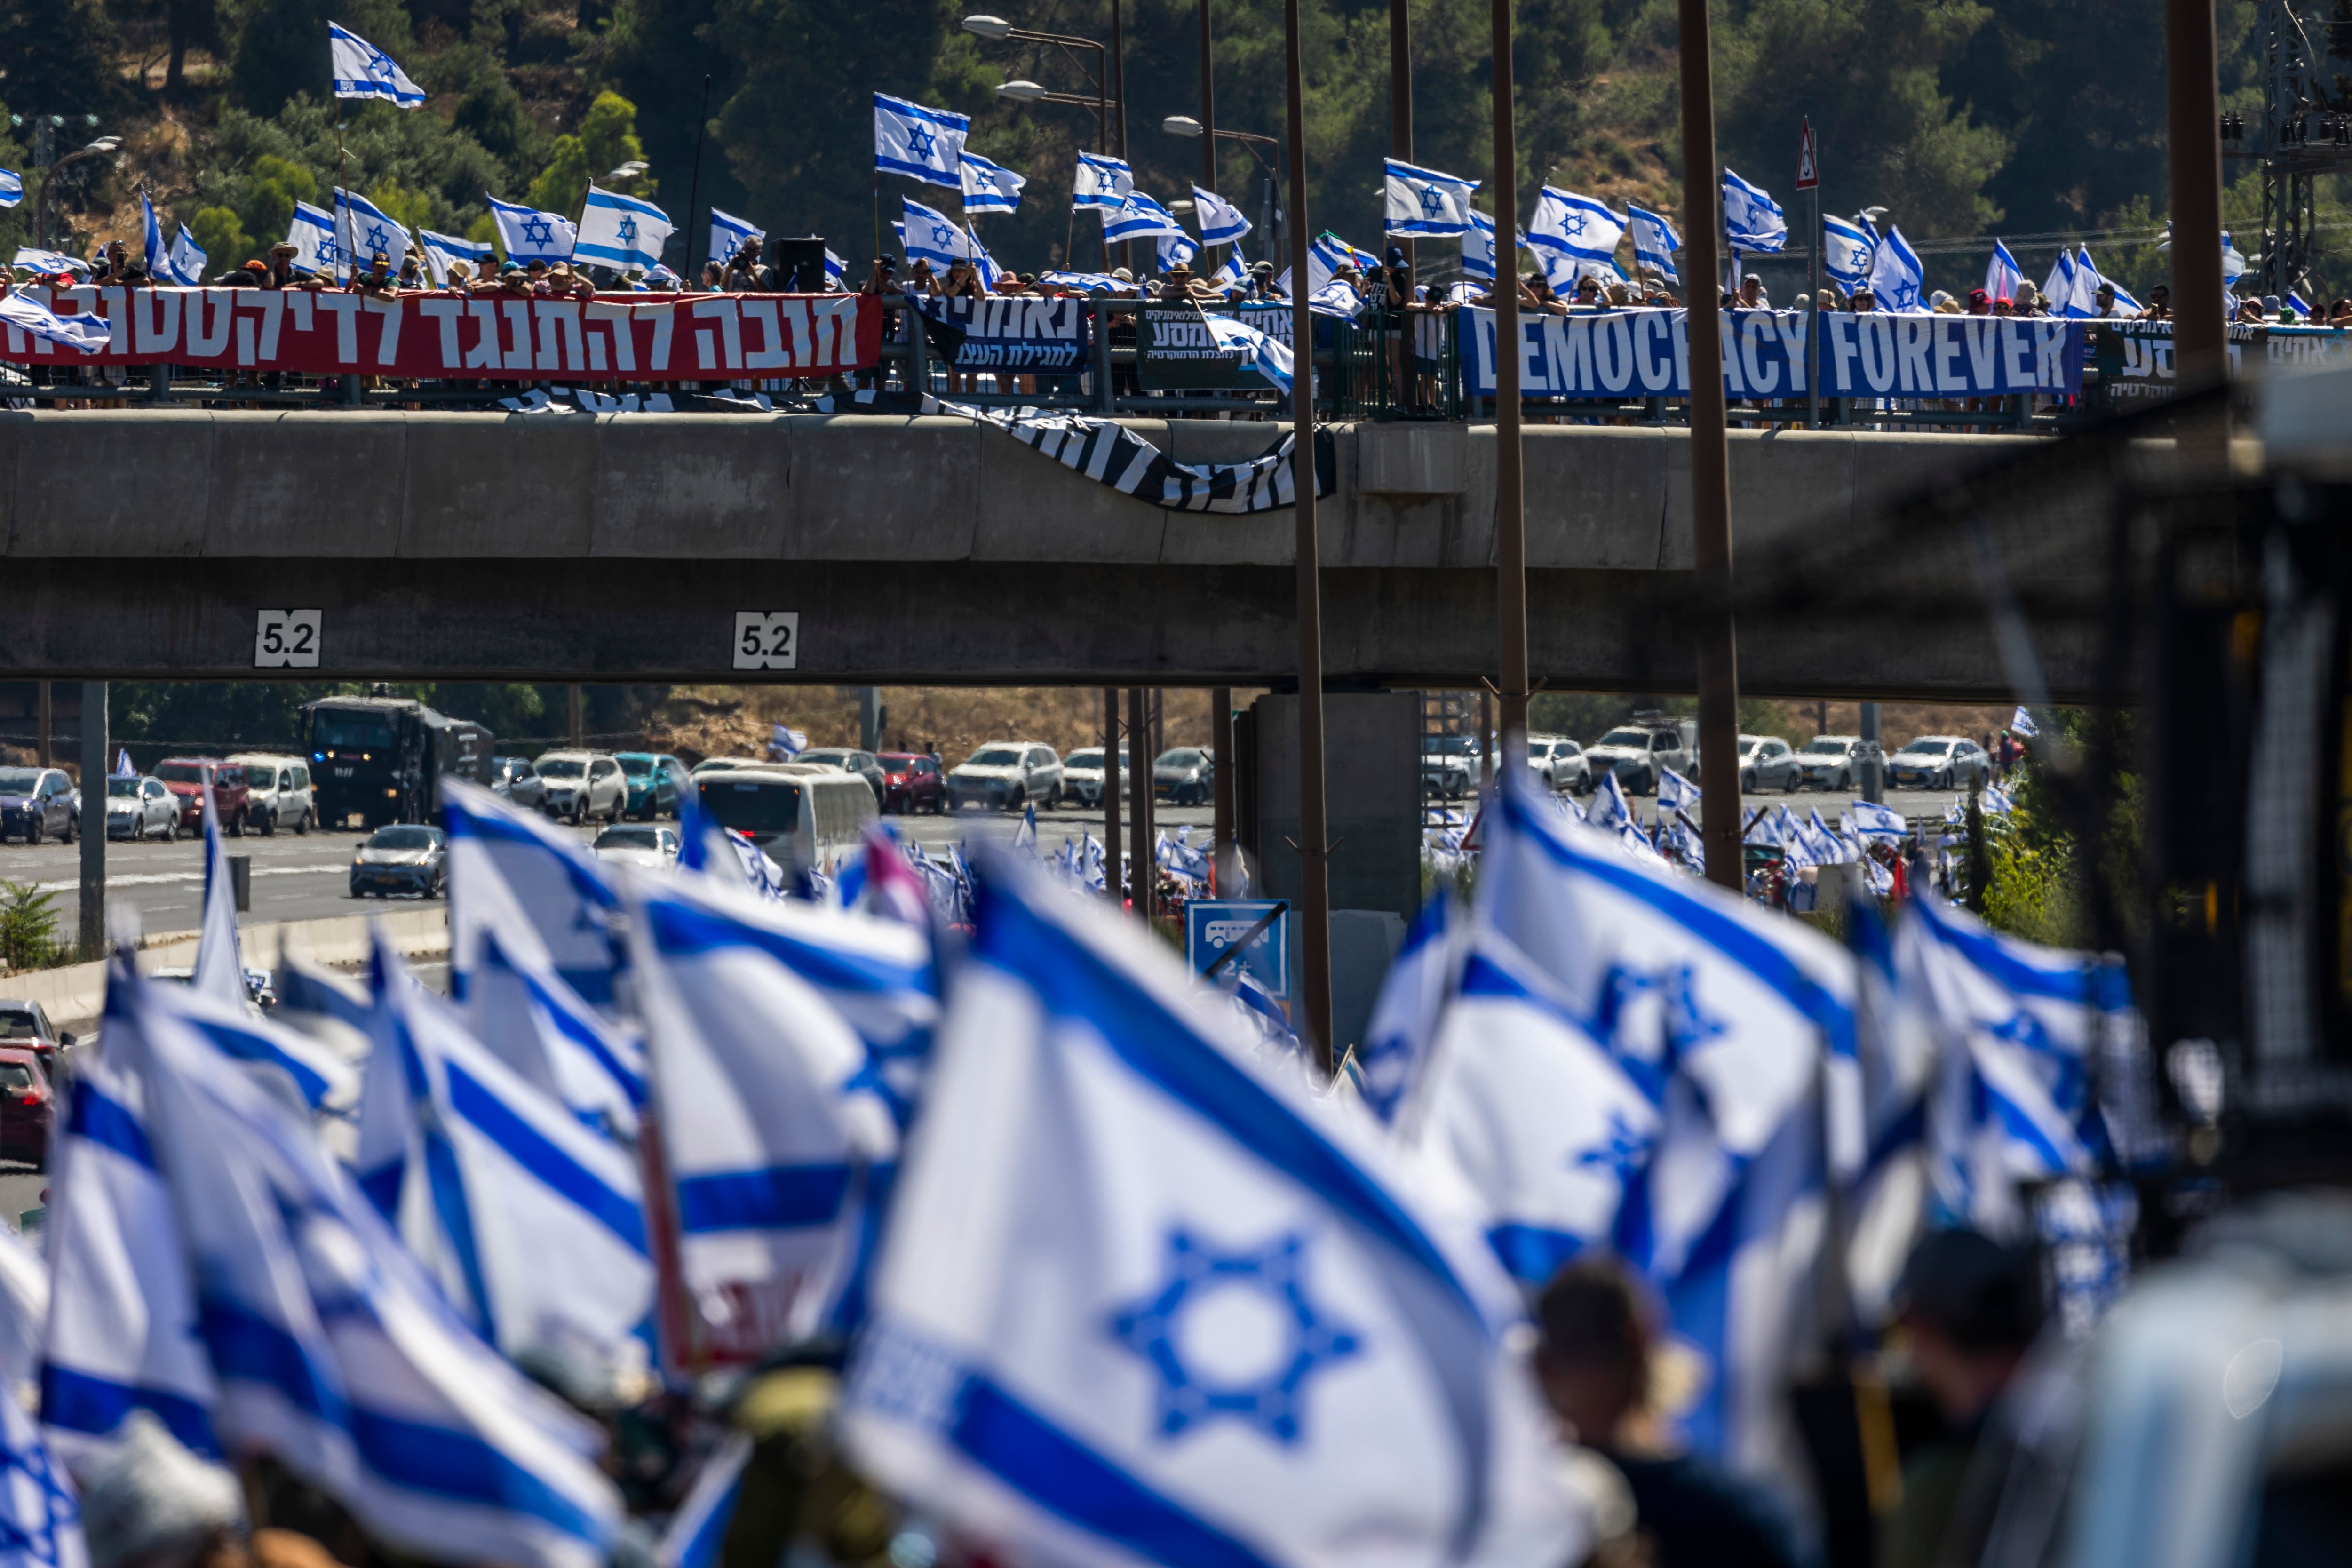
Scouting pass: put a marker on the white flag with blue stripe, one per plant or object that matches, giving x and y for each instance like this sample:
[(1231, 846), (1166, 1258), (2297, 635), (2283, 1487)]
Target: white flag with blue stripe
[(1141, 218), (362, 70), (699, 1529), (332, 1350), (441, 249), (1575, 226), (1654, 242), (1174, 251), (1897, 274), (921, 143), (1848, 248), (366, 229), (532, 1225), (49, 263), (562, 891), (1102, 183), (12, 188), (1413, 996), (1145, 1297), (313, 235), (158, 254), (1752, 220), (519, 1007), (123, 1303), (220, 967), (40, 1522), (1268, 356), (1895, 1050), (1479, 249), (2002, 274), (2088, 281), (2059, 287), (526, 233), (730, 233), (1426, 201), (87, 331), (1874, 821), (620, 232), (1222, 223), (989, 186), (1229, 273), (787, 1044), (931, 236)]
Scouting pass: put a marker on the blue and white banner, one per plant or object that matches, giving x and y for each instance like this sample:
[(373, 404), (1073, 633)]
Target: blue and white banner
[(1752, 220), (313, 235), (1242, 1329), (530, 234), (620, 232), (441, 249), (1141, 218), (1848, 247), (1645, 354), (999, 332), (989, 188), (1222, 223), (366, 230), (362, 70), (1654, 242), (1426, 202), (921, 143), (1103, 183)]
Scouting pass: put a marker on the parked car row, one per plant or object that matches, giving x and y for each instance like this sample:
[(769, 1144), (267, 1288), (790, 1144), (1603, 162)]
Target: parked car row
[(1639, 754)]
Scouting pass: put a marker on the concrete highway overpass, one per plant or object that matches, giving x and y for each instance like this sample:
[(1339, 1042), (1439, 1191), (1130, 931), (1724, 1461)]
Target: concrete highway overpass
[(567, 547)]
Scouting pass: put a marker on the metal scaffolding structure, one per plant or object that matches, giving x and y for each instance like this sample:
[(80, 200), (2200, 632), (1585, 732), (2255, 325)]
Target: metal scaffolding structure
[(2305, 133)]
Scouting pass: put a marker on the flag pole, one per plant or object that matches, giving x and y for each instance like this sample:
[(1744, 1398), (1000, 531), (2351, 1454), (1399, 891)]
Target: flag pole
[(694, 185), (1510, 491)]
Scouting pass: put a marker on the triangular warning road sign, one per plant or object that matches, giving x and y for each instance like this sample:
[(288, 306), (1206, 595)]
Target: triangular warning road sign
[(1808, 174)]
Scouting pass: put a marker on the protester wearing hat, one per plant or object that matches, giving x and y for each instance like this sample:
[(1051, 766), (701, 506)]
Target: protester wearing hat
[(1864, 301), (1980, 302), (376, 280), (963, 282), (1752, 296), (2104, 298), (249, 275), (2160, 304)]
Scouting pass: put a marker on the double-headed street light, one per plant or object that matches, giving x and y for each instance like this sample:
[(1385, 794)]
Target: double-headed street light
[(1106, 76), (1184, 125)]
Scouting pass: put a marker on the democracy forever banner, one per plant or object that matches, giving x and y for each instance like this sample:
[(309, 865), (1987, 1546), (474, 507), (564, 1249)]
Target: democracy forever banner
[(1647, 353), (624, 337)]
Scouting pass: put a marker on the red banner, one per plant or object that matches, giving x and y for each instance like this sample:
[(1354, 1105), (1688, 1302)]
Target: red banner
[(449, 337)]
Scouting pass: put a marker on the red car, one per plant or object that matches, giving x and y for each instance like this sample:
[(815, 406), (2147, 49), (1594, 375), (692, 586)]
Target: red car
[(911, 781), (26, 1108), (184, 777)]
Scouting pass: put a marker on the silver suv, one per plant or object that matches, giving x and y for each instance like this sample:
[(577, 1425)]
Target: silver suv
[(1560, 763), (1007, 775), (1639, 755), (584, 785)]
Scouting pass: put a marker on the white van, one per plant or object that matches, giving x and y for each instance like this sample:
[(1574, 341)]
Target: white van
[(810, 818), (280, 791)]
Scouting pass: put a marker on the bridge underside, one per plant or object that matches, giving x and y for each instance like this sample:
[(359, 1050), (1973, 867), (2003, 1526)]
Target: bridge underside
[(955, 623)]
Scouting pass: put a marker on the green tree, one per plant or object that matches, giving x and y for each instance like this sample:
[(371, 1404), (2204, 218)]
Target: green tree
[(222, 239), (60, 60), (270, 192), (607, 139), (281, 47)]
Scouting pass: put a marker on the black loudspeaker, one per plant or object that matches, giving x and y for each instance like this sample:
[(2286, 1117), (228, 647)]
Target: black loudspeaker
[(799, 264)]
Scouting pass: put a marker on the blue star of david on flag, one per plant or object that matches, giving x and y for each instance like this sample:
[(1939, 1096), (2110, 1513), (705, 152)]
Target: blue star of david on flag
[(1623, 1153), (923, 141), (628, 228), (362, 70), (1432, 201), (536, 230), (377, 237), (1155, 1329)]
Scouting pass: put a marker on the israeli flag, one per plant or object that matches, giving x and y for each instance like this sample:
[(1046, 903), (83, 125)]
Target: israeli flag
[(48, 262), (926, 144), (2022, 724), (1994, 801), (2087, 271), (87, 331), (1270, 357), (1336, 300), (1427, 202), (1174, 251), (1478, 247), (1242, 1330), (526, 233), (2018, 1029), (12, 188), (1874, 821), (332, 1349), (1222, 223), (1849, 246), (2002, 274), (1896, 273), (1610, 807), (1103, 183), (362, 70), (441, 249), (620, 232), (989, 188), (1654, 242), (1412, 1004), (220, 969), (39, 1519), (532, 1225), (2059, 287), (699, 1529), (159, 255), (519, 1008), (313, 236), (835, 267), (1229, 273), (1141, 218), (783, 737), (931, 236), (1575, 226), (2233, 265), (366, 228), (1675, 792), (787, 1046), (1896, 1057), (122, 1304), (309, 1068), (1752, 220), (187, 260), (563, 894), (730, 233)]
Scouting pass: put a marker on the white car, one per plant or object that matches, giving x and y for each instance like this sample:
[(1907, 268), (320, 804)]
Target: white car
[(1081, 776), (584, 785), (278, 792), (1831, 763), (1560, 763), (654, 847), (1939, 762), (139, 808), (1009, 775)]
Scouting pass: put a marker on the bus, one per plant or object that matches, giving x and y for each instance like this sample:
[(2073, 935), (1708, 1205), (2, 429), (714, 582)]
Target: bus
[(806, 817)]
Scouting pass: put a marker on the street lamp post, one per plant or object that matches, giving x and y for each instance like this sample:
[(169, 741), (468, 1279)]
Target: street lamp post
[(1185, 125), (98, 148), (1110, 78)]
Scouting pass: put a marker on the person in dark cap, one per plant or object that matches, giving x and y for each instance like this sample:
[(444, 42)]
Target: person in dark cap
[(1969, 1309), (1597, 1359), (1980, 302)]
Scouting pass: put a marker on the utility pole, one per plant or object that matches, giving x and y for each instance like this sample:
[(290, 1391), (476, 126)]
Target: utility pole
[(1208, 107), (1510, 489), (1874, 757), (571, 710), (1314, 845), (1146, 870), (1221, 751), (93, 844), (1809, 178), (44, 754), (1401, 97), (2192, 123), (1718, 655), (1112, 880)]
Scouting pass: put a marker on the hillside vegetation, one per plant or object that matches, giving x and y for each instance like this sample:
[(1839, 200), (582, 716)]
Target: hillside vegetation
[(1959, 116)]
